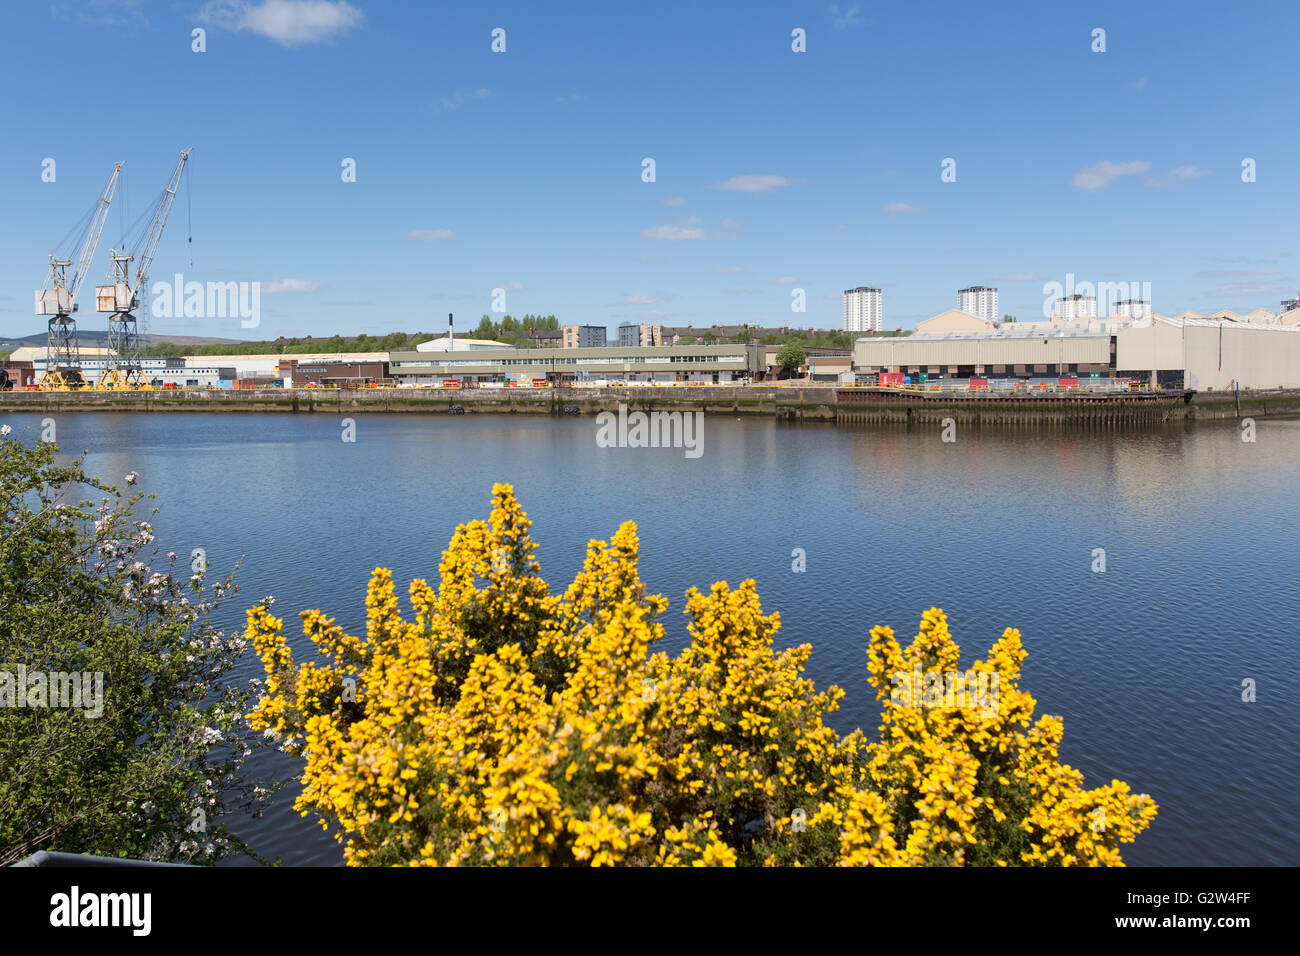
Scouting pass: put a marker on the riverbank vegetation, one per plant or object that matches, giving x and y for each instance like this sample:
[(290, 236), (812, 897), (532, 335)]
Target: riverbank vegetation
[(121, 730), (505, 724)]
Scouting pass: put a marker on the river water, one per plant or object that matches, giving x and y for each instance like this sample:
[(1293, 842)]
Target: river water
[(1144, 661)]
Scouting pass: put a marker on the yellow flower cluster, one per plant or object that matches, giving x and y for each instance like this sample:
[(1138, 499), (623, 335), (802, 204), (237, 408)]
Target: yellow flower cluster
[(508, 725)]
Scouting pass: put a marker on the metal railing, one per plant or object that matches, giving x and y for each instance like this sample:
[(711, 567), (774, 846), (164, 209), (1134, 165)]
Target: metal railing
[(50, 858)]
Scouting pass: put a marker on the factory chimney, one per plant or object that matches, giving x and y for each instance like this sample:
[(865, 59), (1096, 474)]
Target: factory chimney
[(451, 335)]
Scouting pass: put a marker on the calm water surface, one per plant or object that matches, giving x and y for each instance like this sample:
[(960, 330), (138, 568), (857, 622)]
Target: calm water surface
[(1145, 662)]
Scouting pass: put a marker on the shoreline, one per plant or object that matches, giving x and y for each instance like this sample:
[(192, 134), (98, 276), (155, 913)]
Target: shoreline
[(828, 404)]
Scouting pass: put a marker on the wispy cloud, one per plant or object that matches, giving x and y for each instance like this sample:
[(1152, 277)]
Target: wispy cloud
[(639, 299), (1101, 175), (513, 286), (900, 209), (684, 230), (1179, 174), (786, 280), (729, 270), (842, 18), (109, 13), (275, 286), (570, 98), (739, 290), (1251, 290), (457, 100), (1140, 83), (1234, 273), (287, 22), (1017, 277), (429, 235), (675, 201), (754, 184), (645, 258)]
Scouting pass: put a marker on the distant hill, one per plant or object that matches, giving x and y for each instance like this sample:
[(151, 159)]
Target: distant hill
[(100, 336)]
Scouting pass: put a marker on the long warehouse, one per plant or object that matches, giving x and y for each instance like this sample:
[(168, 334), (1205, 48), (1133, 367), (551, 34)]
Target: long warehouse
[(593, 365), (1202, 353)]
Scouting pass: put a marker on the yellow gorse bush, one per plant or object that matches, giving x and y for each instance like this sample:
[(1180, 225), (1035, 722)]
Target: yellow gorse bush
[(509, 725)]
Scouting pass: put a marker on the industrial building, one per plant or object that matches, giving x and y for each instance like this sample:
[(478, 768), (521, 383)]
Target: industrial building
[(625, 365), (19, 375), (1203, 354), (197, 372), (1006, 352), (297, 374)]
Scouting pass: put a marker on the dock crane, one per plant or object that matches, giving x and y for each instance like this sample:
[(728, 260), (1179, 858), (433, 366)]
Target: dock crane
[(59, 300), (124, 368)]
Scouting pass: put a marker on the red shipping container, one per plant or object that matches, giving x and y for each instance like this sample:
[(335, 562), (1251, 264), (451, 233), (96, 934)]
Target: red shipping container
[(1067, 383), (979, 383)]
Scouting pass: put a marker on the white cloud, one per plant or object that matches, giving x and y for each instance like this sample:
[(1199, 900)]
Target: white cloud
[(1101, 175), (1179, 174), (686, 229), (1017, 277), (513, 286), (845, 18), (1250, 290), (754, 184), (457, 100), (739, 290), (1141, 83), (113, 13), (675, 201), (570, 98), (899, 209), (429, 235), (1234, 273), (636, 300), (645, 258), (289, 285), (786, 280), (287, 22), (730, 224), (729, 270)]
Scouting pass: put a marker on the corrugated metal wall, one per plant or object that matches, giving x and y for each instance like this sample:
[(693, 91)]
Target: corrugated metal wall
[(1254, 358), (1039, 350)]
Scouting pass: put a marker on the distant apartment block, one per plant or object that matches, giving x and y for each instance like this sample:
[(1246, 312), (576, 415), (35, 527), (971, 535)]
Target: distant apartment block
[(1289, 304), (863, 310), (979, 301), (1132, 309), (583, 336), (632, 334), (1077, 306)]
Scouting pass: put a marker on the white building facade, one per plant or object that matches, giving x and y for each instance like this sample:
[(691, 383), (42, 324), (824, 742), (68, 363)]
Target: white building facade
[(1072, 307), (980, 301), (1132, 309), (863, 310)]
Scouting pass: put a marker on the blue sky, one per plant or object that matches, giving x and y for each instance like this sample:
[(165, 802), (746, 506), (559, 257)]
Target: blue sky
[(774, 169)]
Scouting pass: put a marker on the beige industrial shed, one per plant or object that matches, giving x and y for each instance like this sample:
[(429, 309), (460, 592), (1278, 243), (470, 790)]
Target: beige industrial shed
[(1006, 352), (1209, 354), (955, 320)]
